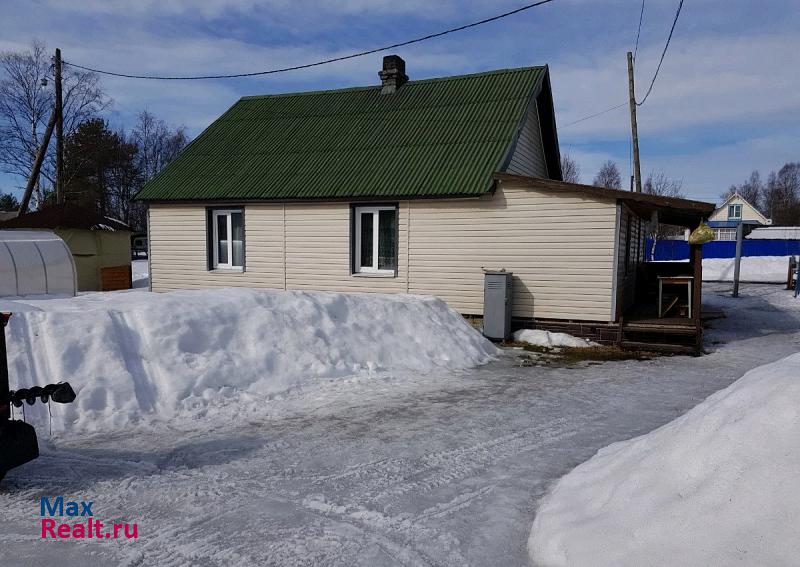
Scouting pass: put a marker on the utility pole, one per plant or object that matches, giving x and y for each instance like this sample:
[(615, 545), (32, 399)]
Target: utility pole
[(59, 132), (37, 165), (637, 171)]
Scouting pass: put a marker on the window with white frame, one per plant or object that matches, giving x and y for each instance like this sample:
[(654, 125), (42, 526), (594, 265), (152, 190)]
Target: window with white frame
[(227, 239), (725, 234), (734, 211), (375, 246)]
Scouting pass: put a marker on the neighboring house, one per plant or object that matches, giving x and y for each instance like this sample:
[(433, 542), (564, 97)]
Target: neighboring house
[(100, 246), (733, 212), (407, 187)]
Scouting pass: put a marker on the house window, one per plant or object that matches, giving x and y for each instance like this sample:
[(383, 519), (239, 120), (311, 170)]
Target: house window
[(726, 234), (227, 239), (734, 212), (375, 246)]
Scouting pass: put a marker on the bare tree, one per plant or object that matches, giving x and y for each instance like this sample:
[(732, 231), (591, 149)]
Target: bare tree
[(26, 101), (608, 176), (751, 190), (782, 195), (570, 170), (157, 144), (663, 185)]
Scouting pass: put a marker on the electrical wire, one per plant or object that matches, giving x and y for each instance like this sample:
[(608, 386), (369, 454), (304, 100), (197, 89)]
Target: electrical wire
[(638, 32), (316, 63), (579, 120), (663, 53)]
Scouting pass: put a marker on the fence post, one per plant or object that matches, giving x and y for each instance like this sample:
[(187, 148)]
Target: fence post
[(737, 265)]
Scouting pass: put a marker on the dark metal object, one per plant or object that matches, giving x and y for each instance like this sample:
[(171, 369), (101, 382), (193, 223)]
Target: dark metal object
[(18, 443)]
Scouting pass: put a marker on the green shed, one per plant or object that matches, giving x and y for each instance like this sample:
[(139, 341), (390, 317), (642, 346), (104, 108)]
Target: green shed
[(100, 245)]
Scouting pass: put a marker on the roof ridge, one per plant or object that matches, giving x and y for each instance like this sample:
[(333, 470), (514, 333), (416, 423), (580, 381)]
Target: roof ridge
[(410, 82)]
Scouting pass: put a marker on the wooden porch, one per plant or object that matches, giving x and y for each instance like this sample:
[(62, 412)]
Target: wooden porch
[(666, 321)]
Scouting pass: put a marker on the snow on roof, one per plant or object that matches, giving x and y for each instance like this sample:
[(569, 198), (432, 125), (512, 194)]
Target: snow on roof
[(776, 233), (15, 235)]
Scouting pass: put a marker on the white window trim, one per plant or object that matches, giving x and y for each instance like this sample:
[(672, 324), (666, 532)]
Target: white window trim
[(373, 269), (735, 207), (216, 265)]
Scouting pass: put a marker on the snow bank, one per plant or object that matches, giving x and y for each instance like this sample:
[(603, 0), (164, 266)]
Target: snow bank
[(761, 269), (140, 273), (134, 354), (718, 486), (541, 338)]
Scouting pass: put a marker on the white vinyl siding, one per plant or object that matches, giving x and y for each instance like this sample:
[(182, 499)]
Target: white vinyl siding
[(559, 246), (528, 156)]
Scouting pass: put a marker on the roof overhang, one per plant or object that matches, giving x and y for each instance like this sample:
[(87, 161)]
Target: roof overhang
[(671, 210)]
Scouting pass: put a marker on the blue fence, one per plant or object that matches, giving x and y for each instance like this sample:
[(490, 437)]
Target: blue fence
[(679, 249)]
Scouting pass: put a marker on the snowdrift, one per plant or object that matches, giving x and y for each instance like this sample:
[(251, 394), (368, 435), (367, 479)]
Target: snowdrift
[(538, 337), (718, 486), (761, 269), (135, 354)]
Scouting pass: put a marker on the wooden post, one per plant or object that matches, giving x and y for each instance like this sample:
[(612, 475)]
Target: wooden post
[(5, 402), (696, 255), (738, 261), (37, 165), (59, 132), (637, 172)]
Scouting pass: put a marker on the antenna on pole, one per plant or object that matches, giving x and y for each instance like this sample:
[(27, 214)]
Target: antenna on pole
[(637, 172)]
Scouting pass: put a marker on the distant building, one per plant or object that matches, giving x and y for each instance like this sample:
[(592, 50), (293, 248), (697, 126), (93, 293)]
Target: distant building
[(100, 246), (734, 211)]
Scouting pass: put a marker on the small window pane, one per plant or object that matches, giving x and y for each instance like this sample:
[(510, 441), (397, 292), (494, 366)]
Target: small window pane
[(365, 254), (387, 240), (222, 239), (237, 236)]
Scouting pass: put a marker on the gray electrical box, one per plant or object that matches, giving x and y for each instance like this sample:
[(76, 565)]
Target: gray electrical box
[(497, 304)]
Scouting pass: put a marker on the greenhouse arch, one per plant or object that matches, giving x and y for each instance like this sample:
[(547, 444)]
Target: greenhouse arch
[(35, 262)]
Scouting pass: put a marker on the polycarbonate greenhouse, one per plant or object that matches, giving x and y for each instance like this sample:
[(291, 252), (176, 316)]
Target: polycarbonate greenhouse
[(35, 262)]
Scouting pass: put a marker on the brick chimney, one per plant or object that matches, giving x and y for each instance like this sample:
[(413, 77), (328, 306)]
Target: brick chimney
[(393, 75)]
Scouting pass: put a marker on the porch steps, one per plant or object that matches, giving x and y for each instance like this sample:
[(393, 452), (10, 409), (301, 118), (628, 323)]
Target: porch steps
[(668, 335), (659, 347)]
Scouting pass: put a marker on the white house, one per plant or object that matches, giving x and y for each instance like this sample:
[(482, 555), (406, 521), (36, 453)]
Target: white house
[(734, 211)]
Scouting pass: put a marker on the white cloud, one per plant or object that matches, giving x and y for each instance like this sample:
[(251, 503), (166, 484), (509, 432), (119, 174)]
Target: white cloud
[(704, 81)]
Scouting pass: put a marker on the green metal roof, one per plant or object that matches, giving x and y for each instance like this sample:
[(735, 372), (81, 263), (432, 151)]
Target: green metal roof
[(434, 137)]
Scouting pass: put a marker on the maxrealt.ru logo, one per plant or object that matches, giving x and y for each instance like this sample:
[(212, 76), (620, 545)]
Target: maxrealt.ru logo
[(87, 528)]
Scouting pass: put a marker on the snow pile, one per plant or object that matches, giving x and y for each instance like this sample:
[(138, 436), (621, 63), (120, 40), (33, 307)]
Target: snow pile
[(133, 354), (718, 486), (761, 269), (140, 273), (775, 233), (541, 338)]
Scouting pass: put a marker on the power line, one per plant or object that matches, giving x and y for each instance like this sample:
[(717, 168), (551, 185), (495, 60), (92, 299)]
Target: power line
[(638, 32), (663, 53), (594, 115), (317, 63)]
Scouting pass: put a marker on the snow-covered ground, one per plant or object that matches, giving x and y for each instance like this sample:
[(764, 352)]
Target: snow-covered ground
[(538, 337), (762, 269), (717, 486), (140, 273), (403, 467)]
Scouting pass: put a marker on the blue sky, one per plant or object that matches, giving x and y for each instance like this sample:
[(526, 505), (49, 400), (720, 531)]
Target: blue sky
[(726, 101)]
